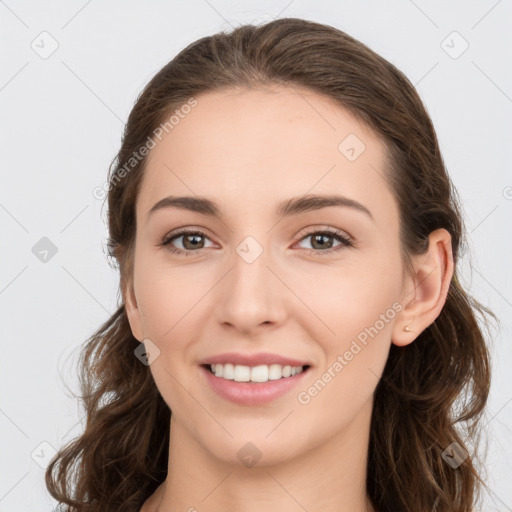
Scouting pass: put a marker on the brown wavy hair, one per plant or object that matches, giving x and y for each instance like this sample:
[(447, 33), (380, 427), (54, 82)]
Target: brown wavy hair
[(432, 392)]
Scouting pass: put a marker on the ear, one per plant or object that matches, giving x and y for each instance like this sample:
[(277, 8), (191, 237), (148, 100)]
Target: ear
[(132, 310), (426, 290)]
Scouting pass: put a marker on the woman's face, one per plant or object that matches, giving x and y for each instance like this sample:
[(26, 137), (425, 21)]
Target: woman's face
[(262, 275)]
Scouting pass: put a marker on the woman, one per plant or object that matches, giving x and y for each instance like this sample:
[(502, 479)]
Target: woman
[(292, 334)]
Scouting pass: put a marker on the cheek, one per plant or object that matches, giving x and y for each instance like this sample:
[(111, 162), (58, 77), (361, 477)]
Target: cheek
[(168, 295), (167, 301), (355, 358), (340, 302), (174, 304), (360, 308)]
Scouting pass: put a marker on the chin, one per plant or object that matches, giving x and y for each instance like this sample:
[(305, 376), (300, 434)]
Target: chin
[(250, 451)]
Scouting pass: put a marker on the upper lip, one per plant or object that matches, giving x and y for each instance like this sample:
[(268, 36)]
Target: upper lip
[(262, 358)]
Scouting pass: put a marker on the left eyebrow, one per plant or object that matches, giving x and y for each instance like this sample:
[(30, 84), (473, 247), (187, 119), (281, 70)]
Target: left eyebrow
[(315, 202), (286, 208)]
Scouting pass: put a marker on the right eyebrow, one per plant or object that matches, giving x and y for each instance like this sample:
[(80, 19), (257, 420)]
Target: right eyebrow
[(195, 204)]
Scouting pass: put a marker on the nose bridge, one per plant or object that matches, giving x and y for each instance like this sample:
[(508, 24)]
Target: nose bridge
[(250, 293), (250, 266)]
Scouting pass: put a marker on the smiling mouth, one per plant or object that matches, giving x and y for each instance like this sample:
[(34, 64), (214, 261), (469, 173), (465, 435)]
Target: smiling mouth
[(255, 374)]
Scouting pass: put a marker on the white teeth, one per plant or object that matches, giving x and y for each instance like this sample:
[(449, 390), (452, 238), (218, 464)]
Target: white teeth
[(261, 373), (240, 373), (274, 372), (228, 372)]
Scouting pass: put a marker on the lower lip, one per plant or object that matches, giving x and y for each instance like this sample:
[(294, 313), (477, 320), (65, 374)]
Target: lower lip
[(252, 393)]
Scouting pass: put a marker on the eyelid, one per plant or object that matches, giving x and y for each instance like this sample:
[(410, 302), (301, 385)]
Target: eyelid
[(323, 228), (345, 240), (176, 233), (187, 229)]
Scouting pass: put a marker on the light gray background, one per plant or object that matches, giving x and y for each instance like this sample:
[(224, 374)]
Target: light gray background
[(61, 123)]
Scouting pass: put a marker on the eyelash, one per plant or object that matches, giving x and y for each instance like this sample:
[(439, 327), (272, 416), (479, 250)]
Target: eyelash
[(338, 235)]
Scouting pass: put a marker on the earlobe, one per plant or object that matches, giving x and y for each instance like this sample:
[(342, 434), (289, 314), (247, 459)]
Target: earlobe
[(132, 311), (428, 287)]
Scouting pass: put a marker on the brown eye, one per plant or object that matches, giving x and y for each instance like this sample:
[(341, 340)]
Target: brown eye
[(191, 241), (323, 242)]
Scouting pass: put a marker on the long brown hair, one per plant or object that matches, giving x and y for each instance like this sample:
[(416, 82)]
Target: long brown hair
[(432, 392)]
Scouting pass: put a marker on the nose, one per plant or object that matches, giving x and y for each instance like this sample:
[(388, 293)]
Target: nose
[(250, 297)]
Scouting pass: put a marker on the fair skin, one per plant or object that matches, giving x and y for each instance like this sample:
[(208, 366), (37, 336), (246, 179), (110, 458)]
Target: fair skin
[(248, 150)]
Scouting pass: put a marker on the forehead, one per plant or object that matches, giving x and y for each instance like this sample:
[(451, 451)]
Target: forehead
[(261, 146)]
